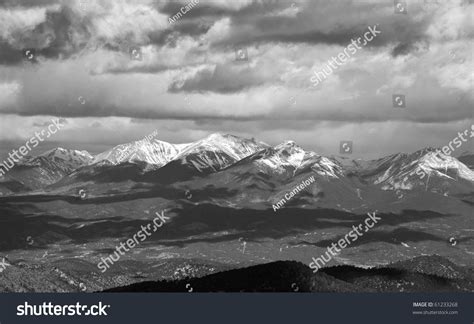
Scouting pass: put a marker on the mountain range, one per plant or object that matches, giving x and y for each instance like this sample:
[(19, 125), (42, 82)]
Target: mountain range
[(233, 171), (64, 210)]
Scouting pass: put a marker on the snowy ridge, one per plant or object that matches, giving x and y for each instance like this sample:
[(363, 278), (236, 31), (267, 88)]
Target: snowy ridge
[(218, 151), (60, 159), (439, 162), (327, 167), (288, 156), (153, 151), (405, 171), (37, 172), (214, 152), (283, 156), (237, 148)]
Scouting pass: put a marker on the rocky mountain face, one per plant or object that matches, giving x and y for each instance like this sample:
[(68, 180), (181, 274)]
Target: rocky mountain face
[(420, 170), (34, 173)]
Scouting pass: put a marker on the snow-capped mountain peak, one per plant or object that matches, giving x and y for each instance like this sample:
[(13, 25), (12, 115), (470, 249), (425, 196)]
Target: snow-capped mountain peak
[(236, 147), (62, 153), (288, 156), (35, 172), (218, 151), (64, 159), (152, 151), (407, 171), (327, 167), (293, 154), (438, 162)]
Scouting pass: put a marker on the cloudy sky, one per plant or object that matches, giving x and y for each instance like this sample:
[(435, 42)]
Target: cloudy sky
[(187, 80)]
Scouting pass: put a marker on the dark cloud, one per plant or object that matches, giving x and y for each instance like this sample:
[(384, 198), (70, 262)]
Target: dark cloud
[(26, 3), (301, 29), (10, 55), (65, 33), (60, 36), (402, 49)]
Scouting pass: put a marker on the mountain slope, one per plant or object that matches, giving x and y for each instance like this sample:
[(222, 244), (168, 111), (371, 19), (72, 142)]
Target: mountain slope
[(37, 172), (218, 151), (264, 178), (422, 170), (207, 156)]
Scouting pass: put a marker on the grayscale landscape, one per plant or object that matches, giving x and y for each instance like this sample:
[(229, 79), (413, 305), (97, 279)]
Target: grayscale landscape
[(248, 137)]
